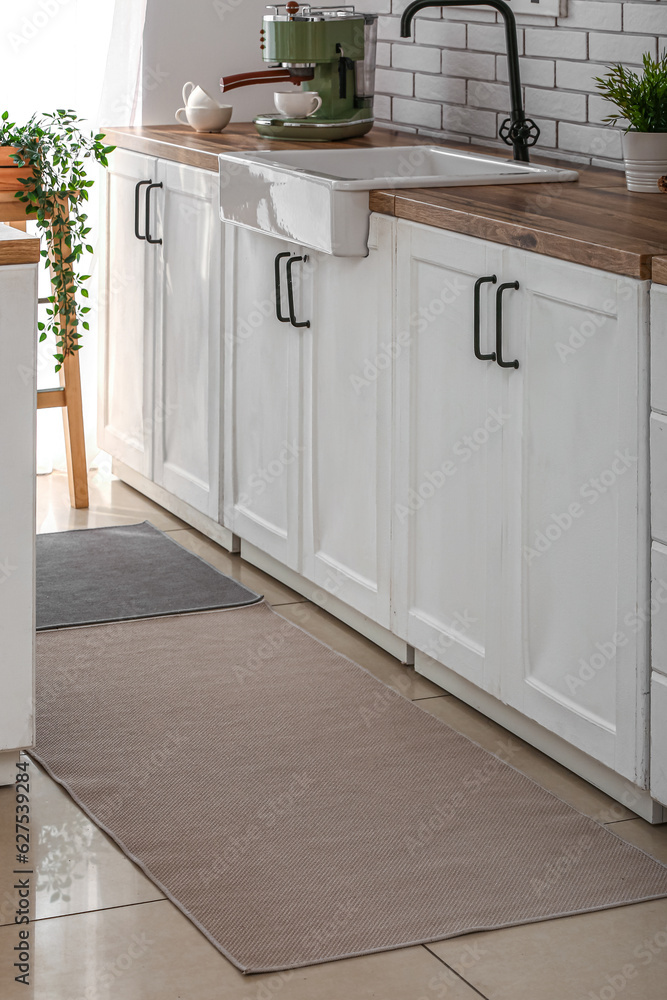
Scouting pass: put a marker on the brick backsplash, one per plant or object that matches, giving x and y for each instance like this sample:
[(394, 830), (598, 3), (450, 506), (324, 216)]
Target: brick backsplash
[(450, 79)]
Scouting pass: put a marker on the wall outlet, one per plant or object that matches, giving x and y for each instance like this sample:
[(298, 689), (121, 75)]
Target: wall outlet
[(544, 8)]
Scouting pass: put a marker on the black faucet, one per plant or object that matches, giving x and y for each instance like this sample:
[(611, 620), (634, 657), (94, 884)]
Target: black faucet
[(517, 130)]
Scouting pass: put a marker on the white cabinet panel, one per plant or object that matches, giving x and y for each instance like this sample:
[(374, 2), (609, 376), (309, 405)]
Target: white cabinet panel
[(659, 476), (575, 560), (18, 337), (126, 417), (659, 608), (348, 426), (264, 393), (659, 737), (659, 347), (447, 479), (187, 408)]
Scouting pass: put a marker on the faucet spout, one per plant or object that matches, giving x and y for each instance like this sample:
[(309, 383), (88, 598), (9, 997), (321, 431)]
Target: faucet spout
[(517, 130)]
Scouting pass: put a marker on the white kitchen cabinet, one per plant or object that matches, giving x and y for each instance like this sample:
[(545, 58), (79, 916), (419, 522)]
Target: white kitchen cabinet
[(126, 416), (495, 519), (347, 433), (447, 476), (659, 737), (658, 442), (658, 760), (264, 389), (18, 326), (188, 281), (575, 518), (160, 409), (520, 518)]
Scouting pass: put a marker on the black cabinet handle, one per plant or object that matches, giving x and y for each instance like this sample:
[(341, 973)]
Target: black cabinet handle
[(476, 344), (137, 195), (499, 325), (290, 292), (149, 238), (276, 266)]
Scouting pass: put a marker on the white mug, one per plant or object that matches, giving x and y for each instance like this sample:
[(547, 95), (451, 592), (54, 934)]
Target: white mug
[(297, 103), (196, 97), (205, 119)]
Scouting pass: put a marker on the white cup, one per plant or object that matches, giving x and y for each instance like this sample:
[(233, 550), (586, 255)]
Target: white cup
[(196, 97), (205, 119), (297, 103)]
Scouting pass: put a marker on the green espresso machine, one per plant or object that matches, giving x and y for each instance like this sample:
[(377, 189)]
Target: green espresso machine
[(329, 51)]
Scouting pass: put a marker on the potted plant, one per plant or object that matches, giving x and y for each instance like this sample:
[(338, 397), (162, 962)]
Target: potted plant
[(641, 99), (43, 164)]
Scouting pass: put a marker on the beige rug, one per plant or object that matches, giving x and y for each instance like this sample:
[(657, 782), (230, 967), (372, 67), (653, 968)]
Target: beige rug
[(295, 808)]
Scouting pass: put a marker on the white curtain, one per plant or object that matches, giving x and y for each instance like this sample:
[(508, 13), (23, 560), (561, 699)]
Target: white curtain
[(85, 55)]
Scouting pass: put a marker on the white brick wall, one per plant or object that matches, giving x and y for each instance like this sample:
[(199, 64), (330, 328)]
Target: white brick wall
[(450, 79)]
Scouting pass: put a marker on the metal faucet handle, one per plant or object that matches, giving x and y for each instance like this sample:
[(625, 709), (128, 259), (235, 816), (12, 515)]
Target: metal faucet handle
[(526, 132)]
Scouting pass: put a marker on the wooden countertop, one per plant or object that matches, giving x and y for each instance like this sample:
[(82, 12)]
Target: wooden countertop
[(595, 221), (200, 149), (660, 270), (17, 247)]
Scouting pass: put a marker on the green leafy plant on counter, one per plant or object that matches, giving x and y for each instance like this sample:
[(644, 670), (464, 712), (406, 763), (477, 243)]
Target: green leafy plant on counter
[(55, 149), (641, 98)]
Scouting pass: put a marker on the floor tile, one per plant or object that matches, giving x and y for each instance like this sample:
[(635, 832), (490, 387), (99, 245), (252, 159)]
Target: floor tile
[(652, 839), (536, 765), (232, 565), (345, 640), (77, 867), (111, 502), (152, 952), (620, 952)]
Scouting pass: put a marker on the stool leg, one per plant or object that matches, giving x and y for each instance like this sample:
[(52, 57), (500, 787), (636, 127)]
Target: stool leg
[(75, 442)]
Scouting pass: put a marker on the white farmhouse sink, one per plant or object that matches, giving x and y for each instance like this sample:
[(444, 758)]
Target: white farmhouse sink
[(319, 197)]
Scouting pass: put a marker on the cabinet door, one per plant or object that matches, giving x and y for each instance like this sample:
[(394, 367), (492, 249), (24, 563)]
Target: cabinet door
[(18, 328), (185, 217), (575, 497), (263, 393), (347, 504), (449, 423), (126, 419)]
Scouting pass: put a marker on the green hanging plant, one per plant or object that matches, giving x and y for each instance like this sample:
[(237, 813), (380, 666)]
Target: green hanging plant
[(641, 98), (55, 148)]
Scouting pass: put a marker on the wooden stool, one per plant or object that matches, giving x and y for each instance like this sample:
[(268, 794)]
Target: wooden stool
[(67, 395)]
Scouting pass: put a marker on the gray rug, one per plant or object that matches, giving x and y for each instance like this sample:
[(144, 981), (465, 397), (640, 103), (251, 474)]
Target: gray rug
[(295, 808), (134, 571)]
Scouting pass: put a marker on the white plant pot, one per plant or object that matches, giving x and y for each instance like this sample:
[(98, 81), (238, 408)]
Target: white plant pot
[(645, 156)]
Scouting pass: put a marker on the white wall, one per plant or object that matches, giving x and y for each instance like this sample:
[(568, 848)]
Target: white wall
[(201, 40)]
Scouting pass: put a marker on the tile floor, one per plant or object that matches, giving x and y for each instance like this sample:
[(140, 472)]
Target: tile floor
[(102, 930)]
